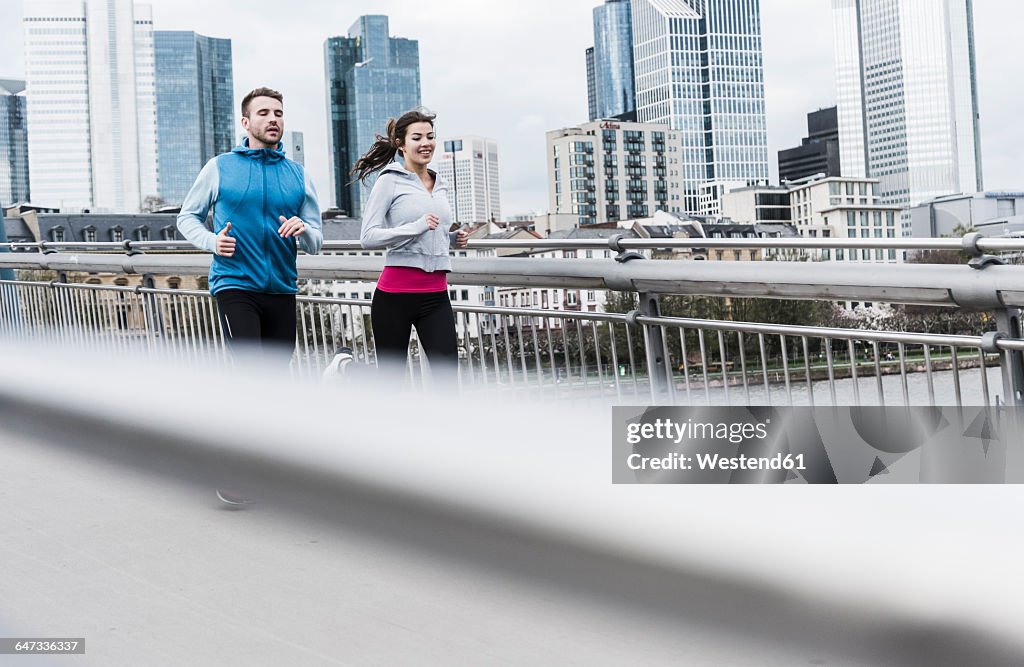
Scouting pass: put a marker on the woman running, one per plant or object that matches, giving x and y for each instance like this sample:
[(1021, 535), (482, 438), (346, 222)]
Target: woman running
[(407, 213)]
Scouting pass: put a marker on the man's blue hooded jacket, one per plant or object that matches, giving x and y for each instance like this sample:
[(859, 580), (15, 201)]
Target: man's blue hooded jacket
[(251, 188)]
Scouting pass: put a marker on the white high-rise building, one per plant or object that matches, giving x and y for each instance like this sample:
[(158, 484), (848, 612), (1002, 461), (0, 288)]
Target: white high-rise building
[(470, 165), (699, 69), (294, 146), (90, 82), (907, 96), (609, 170)]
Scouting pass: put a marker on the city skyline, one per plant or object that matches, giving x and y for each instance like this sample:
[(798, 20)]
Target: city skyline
[(480, 75)]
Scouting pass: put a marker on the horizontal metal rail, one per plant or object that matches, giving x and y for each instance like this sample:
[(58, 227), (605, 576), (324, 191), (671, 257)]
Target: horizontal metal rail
[(970, 243), (617, 318), (924, 284)]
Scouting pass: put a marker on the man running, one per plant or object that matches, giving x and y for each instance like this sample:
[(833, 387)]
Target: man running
[(263, 205)]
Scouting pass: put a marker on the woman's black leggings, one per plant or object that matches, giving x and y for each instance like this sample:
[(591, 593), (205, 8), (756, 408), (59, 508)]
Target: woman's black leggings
[(394, 314)]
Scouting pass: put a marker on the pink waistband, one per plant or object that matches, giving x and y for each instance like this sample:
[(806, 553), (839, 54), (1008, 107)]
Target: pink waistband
[(411, 279)]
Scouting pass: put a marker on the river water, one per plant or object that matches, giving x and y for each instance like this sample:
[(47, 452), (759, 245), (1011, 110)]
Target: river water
[(942, 392)]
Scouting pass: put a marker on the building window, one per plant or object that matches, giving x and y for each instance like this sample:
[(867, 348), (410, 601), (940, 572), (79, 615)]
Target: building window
[(174, 283), (57, 234), (89, 234)]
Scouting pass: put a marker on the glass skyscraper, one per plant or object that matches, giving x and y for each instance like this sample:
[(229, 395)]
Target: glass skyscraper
[(614, 90), (91, 104), (14, 184), (195, 107), (907, 94), (699, 69), (370, 77)]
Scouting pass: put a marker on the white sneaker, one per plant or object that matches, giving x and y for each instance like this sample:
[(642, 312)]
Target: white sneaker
[(339, 363)]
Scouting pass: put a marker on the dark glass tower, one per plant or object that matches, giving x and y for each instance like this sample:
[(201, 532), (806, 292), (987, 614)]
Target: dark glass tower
[(591, 85), (370, 77), (615, 93), (818, 153), (14, 186), (195, 106)]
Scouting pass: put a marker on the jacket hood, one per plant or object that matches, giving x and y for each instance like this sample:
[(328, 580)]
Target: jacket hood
[(268, 154), (399, 168)]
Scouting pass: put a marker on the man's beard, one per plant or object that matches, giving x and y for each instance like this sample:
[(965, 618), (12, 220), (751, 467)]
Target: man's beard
[(264, 137)]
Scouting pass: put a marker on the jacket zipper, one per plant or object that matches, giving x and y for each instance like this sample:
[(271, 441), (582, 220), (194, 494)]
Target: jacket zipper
[(430, 194), (263, 224)]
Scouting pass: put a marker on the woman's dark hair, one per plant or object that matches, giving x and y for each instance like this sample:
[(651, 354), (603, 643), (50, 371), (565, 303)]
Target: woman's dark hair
[(384, 149)]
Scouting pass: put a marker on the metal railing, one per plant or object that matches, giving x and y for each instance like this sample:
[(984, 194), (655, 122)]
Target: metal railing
[(974, 243), (639, 356)]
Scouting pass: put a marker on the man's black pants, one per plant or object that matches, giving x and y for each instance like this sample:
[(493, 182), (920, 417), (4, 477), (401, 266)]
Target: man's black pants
[(256, 321)]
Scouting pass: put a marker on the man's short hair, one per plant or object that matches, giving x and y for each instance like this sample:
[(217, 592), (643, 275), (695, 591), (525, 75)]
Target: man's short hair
[(262, 91)]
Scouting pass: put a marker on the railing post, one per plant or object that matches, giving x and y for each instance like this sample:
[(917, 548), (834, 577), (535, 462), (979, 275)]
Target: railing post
[(10, 308), (153, 317), (1011, 361), (654, 346)]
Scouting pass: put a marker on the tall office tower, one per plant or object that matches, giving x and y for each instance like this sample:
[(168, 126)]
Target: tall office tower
[(818, 152), (14, 183), (91, 104), (591, 85), (370, 77), (908, 103), (615, 94), (470, 165), (699, 69), (195, 106)]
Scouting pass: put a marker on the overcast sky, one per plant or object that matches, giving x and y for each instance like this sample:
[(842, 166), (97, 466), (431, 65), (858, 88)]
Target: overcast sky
[(513, 70)]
